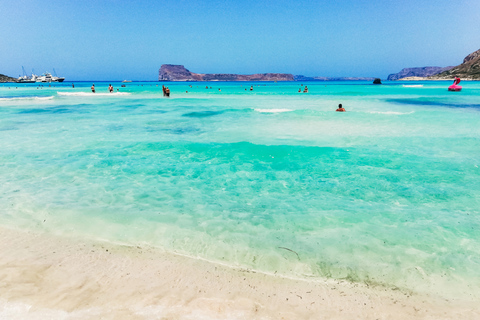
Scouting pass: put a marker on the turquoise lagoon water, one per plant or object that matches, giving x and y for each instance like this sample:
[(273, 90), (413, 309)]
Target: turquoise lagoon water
[(271, 179)]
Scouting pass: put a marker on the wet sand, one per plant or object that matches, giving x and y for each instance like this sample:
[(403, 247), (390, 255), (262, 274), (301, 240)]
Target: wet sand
[(49, 277)]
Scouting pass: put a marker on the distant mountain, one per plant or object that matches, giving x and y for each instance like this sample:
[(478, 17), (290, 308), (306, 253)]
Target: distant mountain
[(417, 72), (4, 78), (304, 78), (468, 70), (171, 72)]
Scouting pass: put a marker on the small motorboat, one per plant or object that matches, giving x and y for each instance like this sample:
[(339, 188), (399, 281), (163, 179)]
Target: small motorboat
[(455, 86)]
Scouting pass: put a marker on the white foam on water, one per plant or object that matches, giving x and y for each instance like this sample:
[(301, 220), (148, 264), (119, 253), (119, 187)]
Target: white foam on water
[(273, 110), (44, 98), (27, 98), (91, 94), (413, 85)]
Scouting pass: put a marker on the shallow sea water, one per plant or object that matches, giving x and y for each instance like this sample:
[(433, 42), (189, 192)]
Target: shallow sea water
[(271, 179)]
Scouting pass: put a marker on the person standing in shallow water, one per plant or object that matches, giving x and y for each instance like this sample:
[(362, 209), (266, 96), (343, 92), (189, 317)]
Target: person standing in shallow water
[(110, 88), (93, 88), (167, 92), (340, 108)]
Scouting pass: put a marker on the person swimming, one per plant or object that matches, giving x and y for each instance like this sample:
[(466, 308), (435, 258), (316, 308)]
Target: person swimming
[(341, 108)]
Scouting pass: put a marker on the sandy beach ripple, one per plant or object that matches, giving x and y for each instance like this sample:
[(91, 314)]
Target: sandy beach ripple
[(44, 276)]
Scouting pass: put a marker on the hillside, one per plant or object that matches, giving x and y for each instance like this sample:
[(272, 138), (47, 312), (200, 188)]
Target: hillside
[(417, 72), (468, 70), (4, 78)]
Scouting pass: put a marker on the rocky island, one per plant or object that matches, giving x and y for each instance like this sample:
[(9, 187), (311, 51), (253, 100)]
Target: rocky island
[(171, 72)]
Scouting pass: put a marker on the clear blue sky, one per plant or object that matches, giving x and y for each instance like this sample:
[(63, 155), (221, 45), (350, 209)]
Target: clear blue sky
[(117, 39)]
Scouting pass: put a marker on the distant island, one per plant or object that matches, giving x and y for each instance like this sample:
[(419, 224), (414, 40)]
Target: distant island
[(304, 78), (171, 72)]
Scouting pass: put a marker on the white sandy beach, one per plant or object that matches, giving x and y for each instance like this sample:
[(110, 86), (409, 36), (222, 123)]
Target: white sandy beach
[(46, 277)]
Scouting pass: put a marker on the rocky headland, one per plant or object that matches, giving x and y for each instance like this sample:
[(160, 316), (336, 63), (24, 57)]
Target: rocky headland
[(4, 78), (171, 72), (420, 72), (468, 70)]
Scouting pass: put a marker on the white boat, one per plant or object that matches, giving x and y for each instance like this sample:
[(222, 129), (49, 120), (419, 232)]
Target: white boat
[(56, 78), (127, 81), (25, 78), (47, 77)]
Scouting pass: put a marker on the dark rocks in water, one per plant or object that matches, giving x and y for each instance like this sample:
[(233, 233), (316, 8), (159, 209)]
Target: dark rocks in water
[(417, 72), (172, 72), (377, 81)]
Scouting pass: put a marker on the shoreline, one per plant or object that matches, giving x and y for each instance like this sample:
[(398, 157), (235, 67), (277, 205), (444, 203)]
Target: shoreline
[(48, 276)]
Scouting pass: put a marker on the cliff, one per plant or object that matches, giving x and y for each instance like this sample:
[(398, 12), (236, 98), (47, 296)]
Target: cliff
[(171, 72), (468, 70), (4, 78), (417, 72)]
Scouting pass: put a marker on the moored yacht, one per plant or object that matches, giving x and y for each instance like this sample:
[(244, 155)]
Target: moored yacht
[(47, 77), (56, 78), (25, 78)]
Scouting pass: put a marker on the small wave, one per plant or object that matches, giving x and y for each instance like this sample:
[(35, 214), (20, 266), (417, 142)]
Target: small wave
[(390, 112), (202, 114), (44, 98), (413, 85), (91, 94), (27, 98), (273, 110)]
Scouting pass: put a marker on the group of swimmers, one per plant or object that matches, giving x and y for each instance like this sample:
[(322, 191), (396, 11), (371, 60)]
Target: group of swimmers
[(166, 91), (110, 88), (305, 90)]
